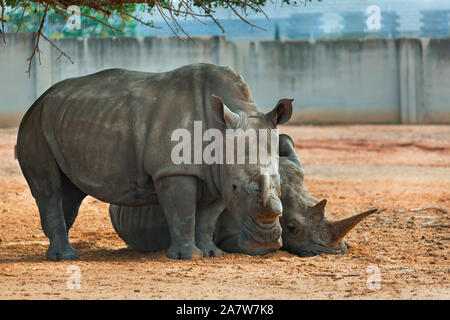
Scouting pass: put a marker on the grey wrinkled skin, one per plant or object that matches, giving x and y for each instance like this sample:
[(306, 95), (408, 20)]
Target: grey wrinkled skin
[(108, 135), (306, 230)]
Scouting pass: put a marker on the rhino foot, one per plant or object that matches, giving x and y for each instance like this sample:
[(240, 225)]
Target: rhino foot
[(61, 253), (184, 253), (209, 249)]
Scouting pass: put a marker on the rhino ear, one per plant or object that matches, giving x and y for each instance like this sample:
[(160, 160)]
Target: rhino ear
[(287, 149), (223, 114), (286, 145), (282, 112)]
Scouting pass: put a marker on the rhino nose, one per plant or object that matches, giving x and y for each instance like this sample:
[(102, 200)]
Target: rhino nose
[(268, 220), (275, 209)]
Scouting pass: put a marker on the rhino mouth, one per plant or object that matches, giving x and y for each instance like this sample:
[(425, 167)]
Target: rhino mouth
[(313, 249), (260, 235)]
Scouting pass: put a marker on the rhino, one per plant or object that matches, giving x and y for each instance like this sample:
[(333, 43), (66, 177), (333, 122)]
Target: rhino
[(306, 229), (109, 135)]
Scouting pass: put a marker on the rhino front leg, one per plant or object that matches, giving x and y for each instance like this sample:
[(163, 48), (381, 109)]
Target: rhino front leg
[(177, 196), (207, 216)]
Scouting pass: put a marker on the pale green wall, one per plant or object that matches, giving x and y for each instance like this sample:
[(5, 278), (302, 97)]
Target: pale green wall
[(342, 81)]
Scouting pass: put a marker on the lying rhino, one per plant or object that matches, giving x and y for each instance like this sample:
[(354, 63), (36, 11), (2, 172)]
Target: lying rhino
[(306, 229), (109, 135)]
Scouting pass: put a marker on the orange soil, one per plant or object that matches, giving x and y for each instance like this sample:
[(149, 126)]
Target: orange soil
[(402, 170)]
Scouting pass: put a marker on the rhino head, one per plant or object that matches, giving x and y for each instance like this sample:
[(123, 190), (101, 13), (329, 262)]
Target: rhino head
[(307, 231), (251, 191)]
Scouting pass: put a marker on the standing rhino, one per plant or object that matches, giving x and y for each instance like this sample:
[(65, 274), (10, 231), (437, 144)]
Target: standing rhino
[(306, 229), (109, 135)]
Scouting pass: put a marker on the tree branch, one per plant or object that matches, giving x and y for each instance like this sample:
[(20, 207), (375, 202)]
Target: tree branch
[(21, 17), (241, 17), (166, 8), (36, 43), (57, 48), (2, 31)]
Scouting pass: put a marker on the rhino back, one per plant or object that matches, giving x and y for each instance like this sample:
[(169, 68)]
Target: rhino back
[(88, 125)]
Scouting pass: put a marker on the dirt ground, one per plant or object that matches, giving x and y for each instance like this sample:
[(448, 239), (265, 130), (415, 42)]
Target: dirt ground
[(399, 253)]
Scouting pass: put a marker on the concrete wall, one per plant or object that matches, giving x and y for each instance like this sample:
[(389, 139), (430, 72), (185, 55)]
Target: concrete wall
[(342, 81), (17, 90)]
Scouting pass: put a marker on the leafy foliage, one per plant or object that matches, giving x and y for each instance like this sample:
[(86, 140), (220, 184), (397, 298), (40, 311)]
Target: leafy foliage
[(121, 15), (48, 18)]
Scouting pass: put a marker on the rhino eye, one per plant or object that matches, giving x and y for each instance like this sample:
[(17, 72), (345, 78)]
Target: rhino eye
[(291, 227), (253, 188), (235, 189)]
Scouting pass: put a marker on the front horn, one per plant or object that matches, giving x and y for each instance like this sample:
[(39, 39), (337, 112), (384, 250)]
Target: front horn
[(265, 188), (338, 229), (276, 208)]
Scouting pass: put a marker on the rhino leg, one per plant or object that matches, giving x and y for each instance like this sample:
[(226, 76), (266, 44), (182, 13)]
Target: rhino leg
[(177, 196), (72, 198), (54, 227), (205, 225), (46, 184)]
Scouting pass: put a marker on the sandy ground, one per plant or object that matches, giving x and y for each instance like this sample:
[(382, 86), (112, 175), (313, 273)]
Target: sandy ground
[(400, 253)]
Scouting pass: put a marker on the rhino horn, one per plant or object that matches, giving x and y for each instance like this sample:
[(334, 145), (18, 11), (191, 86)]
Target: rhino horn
[(338, 229), (276, 208), (265, 188)]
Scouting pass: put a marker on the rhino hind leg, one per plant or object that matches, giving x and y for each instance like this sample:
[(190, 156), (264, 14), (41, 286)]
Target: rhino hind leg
[(46, 184), (72, 198), (51, 210), (178, 198), (54, 227)]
